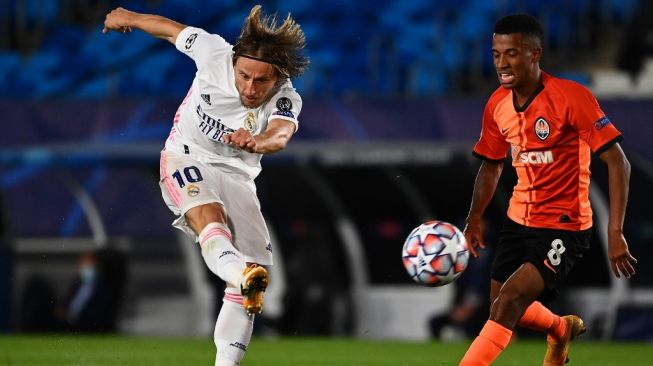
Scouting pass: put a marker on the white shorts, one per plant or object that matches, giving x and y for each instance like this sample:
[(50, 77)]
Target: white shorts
[(186, 183)]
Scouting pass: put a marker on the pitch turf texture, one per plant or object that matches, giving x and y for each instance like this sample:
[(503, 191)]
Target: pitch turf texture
[(130, 351)]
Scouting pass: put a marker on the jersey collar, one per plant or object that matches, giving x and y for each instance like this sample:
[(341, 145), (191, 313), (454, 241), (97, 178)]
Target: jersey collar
[(530, 99)]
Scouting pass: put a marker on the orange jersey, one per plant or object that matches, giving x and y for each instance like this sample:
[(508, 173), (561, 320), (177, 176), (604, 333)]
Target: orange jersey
[(550, 140)]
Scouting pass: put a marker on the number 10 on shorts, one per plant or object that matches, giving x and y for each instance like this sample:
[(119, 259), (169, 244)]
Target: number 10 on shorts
[(193, 175)]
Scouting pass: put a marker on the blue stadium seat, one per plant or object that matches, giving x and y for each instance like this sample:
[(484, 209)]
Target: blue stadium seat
[(43, 72), (113, 48), (10, 63), (577, 76), (148, 75), (475, 24), (623, 10), (355, 46), (67, 38), (93, 88), (40, 11), (428, 78)]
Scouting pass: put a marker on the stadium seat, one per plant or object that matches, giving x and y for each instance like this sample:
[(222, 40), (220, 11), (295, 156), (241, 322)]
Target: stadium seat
[(64, 38), (141, 74), (610, 83), (40, 12), (43, 73), (645, 79), (10, 63), (412, 33)]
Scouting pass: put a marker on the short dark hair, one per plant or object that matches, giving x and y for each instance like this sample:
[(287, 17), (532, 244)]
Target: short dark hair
[(279, 45), (525, 24)]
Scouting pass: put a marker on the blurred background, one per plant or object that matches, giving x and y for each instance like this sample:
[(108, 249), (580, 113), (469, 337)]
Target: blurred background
[(392, 106)]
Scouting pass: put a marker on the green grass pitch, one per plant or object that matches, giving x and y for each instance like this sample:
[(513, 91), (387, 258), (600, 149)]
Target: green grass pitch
[(54, 350)]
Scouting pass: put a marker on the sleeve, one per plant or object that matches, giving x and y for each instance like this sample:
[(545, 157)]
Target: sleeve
[(202, 46), (286, 105), (491, 145), (591, 123)]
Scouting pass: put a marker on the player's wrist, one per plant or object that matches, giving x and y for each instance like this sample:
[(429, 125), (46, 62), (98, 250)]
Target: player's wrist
[(473, 218), (138, 20), (615, 230)]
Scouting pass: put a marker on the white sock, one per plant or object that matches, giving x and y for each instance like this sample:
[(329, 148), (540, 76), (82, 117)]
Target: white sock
[(220, 255), (233, 329)]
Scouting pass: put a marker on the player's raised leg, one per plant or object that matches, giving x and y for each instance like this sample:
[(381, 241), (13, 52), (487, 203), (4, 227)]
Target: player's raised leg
[(215, 239), (223, 259)]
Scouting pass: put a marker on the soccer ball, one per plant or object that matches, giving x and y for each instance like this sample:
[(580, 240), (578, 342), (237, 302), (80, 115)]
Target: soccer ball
[(435, 253)]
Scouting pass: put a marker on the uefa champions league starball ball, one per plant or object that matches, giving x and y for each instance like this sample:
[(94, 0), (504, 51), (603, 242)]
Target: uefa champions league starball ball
[(435, 253)]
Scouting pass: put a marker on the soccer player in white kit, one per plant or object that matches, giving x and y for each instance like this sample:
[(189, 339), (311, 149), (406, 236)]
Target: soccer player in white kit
[(240, 106)]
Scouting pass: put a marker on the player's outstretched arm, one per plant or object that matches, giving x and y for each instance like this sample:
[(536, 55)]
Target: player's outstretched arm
[(273, 139), (621, 261), (123, 21), (485, 184)]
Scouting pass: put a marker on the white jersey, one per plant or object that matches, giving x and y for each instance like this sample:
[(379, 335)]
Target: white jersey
[(212, 108)]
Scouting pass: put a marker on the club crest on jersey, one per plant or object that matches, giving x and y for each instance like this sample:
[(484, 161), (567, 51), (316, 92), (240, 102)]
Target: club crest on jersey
[(193, 190), (250, 122), (542, 128)]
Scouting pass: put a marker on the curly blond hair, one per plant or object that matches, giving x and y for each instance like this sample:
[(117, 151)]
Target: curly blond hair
[(281, 46)]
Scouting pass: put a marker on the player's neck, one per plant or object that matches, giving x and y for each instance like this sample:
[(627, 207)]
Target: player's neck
[(525, 92)]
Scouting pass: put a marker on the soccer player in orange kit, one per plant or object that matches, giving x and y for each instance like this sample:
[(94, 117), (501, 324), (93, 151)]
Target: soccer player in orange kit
[(551, 126)]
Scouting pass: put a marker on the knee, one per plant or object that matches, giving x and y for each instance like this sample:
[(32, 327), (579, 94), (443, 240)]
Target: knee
[(197, 222), (200, 216)]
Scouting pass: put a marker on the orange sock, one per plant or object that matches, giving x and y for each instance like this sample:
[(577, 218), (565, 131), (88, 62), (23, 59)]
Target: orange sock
[(493, 338), (539, 317)]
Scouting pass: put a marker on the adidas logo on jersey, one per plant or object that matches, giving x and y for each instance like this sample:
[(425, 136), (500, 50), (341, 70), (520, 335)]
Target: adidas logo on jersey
[(536, 157), (206, 98)]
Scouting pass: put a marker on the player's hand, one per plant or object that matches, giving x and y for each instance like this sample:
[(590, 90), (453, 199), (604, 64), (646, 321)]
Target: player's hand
[(474, 235), (242, 139), (119, 20), (621, 261)]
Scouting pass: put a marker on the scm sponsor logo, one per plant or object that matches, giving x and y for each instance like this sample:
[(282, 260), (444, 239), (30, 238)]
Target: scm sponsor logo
[(536, 157)]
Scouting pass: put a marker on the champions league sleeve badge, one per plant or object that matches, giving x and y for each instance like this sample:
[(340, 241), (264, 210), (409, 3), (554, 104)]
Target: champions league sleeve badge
[(284, 104), (250, 122), (190, 40)]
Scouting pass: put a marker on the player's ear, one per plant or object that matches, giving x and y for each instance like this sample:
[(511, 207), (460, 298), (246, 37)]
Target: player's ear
[(537, 54)]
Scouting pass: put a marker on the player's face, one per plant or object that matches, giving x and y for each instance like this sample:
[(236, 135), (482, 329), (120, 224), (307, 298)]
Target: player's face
[(255, 81), (516, 59)]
